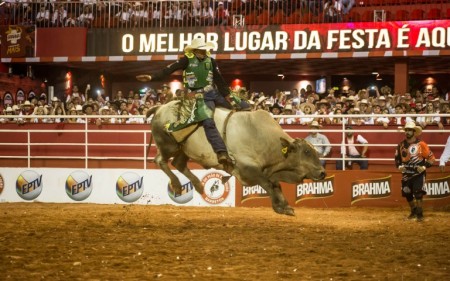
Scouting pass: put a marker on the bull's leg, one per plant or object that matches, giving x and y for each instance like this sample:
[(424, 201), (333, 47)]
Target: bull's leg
[(180, 162), (279, 202), (162, 162)]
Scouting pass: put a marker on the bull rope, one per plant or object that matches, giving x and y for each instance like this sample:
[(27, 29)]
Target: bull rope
[(225, 124)]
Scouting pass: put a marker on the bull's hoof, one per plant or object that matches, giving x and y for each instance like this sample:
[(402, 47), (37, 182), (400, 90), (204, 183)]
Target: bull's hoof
[(177, 189), (289, 211)]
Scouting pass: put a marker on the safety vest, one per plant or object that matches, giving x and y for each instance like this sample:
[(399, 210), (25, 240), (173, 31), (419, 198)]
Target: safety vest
[(198, 74)]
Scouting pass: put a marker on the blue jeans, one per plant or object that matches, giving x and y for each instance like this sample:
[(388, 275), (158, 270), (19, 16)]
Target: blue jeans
[(362, 162), (213, 99)]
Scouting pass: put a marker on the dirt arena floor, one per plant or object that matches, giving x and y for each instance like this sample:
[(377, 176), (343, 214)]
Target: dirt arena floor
[(133, 242)]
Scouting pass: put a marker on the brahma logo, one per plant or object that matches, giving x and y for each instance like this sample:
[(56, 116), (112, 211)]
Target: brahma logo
[(79, 185), (253, 192), (186, 194), (437, 188), (129, 187), (29, 185), (371, 189), (215, 192), (310, 189)]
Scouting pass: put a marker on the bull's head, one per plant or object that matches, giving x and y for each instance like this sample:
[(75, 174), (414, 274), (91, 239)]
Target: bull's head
[(303, 159)]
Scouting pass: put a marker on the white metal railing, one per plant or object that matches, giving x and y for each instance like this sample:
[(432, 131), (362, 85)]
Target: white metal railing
[(145, 131), (183, 13)]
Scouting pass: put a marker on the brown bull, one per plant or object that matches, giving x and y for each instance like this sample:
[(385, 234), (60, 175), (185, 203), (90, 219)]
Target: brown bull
[(264, 154)]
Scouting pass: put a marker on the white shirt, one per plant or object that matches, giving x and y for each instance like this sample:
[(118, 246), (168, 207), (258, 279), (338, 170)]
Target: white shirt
[(445, 154), (351, 148)]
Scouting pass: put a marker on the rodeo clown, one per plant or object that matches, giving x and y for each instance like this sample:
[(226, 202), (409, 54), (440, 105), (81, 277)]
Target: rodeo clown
[(412, 158), (206, 88)]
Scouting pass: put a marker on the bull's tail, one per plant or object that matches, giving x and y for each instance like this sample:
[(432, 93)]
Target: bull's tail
[(152, 111), (149, 113)]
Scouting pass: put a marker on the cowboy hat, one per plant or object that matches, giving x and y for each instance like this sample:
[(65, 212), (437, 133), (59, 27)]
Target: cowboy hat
[(315, 124), (261, 99), (350, 99), (307, 104), (288, 107), (86, 106), (26, 103), (363, 101), (9, 109), (323, 101), (276, 105), (199, 44), (412, 125)]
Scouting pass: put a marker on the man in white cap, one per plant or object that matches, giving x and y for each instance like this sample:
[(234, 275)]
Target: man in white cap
[(201, 76), (445, 155), (319, 141), (412, 158)]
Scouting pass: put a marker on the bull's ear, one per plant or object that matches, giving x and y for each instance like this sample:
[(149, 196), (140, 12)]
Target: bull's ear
[(285, 147)]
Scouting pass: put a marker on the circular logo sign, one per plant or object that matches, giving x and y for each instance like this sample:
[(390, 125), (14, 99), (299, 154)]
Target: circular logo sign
[(29, 185), (79, 185), (186, 194), (129, 187), (215, 192)]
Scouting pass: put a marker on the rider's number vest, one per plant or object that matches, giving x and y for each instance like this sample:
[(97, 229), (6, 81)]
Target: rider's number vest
[(198, 74)]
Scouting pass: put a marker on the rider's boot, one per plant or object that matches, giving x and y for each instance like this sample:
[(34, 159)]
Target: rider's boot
[(224, 159)]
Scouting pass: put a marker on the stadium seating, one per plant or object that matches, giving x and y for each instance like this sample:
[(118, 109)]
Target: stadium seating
[(416, 14), (401, 15), (434, 14)]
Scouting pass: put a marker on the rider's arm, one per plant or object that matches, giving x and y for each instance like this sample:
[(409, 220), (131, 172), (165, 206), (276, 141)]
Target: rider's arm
[(218, 79), (182, 63)]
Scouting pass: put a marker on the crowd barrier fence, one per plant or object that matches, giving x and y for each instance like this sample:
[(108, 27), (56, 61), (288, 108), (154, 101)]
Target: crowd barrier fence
[(88, 142)]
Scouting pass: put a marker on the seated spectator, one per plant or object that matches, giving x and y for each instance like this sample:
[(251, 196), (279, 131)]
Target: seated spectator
[(76, 94), (156, 15), (306, 111), (332, 11), (86, 18), (337, 120), (39, 111), (58, 109), (140, 15), (72, 115), (43, 17), (347, 5), (26, 110), (207, 14), (10, 112), (324, 109), (352, 152), (221, 15), (319, 141), (276, 109), (287, 111), (59, 17), (79, 110), (429, 120)]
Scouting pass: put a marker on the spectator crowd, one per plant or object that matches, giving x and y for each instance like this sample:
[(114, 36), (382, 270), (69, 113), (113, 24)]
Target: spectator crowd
[(96, 13), (298, 106)]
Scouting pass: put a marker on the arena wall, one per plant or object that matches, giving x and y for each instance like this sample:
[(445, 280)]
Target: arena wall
[(62, 161)]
